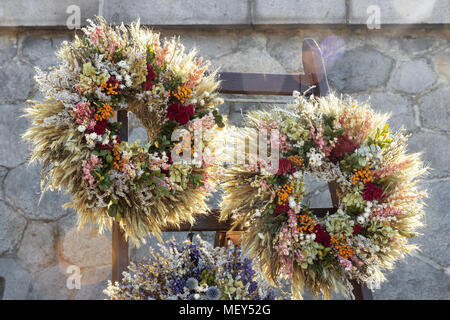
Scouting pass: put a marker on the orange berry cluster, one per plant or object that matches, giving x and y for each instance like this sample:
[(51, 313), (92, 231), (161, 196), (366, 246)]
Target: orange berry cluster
[(364, 175), (104, 112), (116, 160), (111, 89), (341, 246), (283, 193), (182, 94), (297, 160), (305, 224)]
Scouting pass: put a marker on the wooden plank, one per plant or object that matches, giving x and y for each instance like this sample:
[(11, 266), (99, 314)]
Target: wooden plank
[(332, 186), (263, 83), (210, 221), (219, 239), (207, 222), (314, 65), (120, 257), (361, 292)]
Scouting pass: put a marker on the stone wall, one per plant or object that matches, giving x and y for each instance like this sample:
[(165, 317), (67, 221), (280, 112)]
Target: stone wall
[(405, 69)]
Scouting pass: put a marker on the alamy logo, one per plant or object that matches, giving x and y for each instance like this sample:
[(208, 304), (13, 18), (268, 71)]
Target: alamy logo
[(374, 19), (251, 150), (74, 280)]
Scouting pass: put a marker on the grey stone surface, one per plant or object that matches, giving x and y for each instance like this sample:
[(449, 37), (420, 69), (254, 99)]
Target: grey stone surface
[(317, 194), (442, 63), (434, 109), (215, 199), (66, 224), (22, 188), (138, 134), (17, 280), (85, 247), (95, 275), (436, 214), (435, 148), (42, 51), (46, 12), (360, 69), (13, 149), (396, 104), (299, 12), (50, 284), (236, 119), (248, 60), (91, 292), (38, 247), (8, 48), (216, 12), (401, 11), (209, 46), (418, 45), (287, 51), (12, 225), (3, 173), (173, 12), (17, 81), (414, 279), (413, 76), (319, 198)]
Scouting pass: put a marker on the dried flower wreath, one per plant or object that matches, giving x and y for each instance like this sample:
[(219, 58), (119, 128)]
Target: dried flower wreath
[(379, 205), (113, 68), (202, 273)]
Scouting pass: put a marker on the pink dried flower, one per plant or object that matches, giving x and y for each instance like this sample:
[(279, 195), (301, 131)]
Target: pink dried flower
[(96, 34), (409, 196), (83, 113), (346, 263), (88, 165), (320, 141), (161, 54), (390, 169), (385, 210), (194, 77)]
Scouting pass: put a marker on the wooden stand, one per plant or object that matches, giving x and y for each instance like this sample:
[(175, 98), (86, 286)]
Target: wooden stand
[(120, 256), (247, 83)]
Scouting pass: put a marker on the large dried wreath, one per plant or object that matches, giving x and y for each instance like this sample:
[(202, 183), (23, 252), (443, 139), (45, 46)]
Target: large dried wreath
[(379, 205), (113, 68)]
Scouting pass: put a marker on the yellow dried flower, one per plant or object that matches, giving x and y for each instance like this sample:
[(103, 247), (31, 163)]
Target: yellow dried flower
[(182, 93)]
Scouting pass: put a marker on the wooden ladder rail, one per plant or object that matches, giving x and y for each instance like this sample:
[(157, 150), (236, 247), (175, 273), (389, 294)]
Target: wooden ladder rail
[(249, 84)]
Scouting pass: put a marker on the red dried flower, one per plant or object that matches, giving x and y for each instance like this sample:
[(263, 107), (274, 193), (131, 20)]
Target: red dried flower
[(372, 192), (281, 209), (284, 166), (321, 235), (180, 113), (343, 146), (100, 127), (151, 75), (357, 228)]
